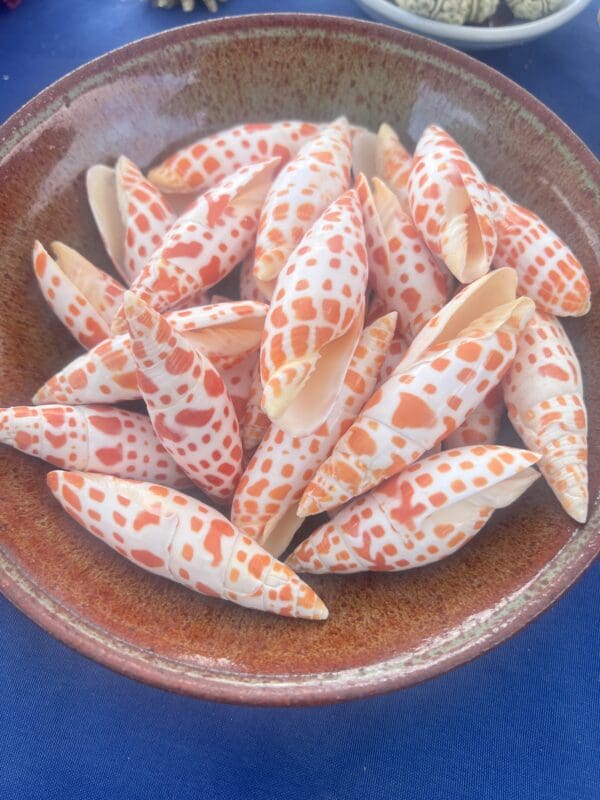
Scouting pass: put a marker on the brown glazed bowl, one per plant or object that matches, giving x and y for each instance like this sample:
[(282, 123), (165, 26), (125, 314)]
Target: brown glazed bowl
[(384, 631)]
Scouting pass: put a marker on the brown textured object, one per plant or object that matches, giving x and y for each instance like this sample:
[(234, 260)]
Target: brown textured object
[(384, 631)]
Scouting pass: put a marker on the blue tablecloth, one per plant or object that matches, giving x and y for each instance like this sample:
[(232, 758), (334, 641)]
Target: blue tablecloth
[(522, 722)]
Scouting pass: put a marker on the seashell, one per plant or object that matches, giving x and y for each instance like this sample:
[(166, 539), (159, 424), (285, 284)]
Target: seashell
[(302, 191), (83, 297), (131, 215), (393, 357), (94, 438), (226, 333), (314, 320), (202, 164), (254, 422), (177, 537), (206, 243), (249, 288), (543, 392), (471, 302), (393, 163), (454, 12), (267, 496), (547, 270), (188, 404), (450, 205), (397, 347), (482, 426), (402, 272), (418, 406), (199, 298), (481, 10), (533, 9), (420, 516), (238, 380), (364, 143)]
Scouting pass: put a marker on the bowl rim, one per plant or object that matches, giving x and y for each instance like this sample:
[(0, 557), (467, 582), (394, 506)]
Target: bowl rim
[(466, 34), (63, 623)]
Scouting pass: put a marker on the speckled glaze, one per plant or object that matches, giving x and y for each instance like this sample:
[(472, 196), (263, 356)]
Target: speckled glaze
[(385, 631)]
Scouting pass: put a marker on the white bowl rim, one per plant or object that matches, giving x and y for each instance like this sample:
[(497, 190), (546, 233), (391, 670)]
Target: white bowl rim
[(506, 34)]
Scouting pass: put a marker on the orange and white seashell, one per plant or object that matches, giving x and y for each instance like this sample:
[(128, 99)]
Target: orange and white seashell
[(200, 165), (547, 269), (83, 297), (393, 163), (394, 356), (206, 243), (543, 392), (399, 344), (482, 426), (238, 380), (96, 438), (420, 516), (472, 301), (363, 152), (254, 423), (267, 496), (188, 404), (302, 191), (180, 538), (249, 288), (451, 206), (402, 272), (418, 406), (226, 333), (130, 213), (315, 319), (200, 298)]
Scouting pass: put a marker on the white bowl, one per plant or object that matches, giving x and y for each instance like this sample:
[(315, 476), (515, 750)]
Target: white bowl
[(469, 37)]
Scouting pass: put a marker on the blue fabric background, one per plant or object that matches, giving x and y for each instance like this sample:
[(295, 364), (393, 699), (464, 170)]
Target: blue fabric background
[(520, 722)]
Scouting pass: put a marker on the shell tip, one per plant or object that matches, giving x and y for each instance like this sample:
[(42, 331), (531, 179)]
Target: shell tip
[(321, 610), (52, 479)]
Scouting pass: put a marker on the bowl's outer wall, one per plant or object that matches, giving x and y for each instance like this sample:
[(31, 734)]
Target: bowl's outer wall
[(384, 631)]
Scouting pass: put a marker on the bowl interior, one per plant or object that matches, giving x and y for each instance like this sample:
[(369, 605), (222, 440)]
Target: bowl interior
[(384, 631)]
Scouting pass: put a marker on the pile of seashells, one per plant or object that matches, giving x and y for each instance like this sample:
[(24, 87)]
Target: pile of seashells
[(465, 12)]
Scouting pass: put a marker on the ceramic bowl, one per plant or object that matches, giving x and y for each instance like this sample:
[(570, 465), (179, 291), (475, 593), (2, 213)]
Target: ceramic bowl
[(385, 631), (473, 37)]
